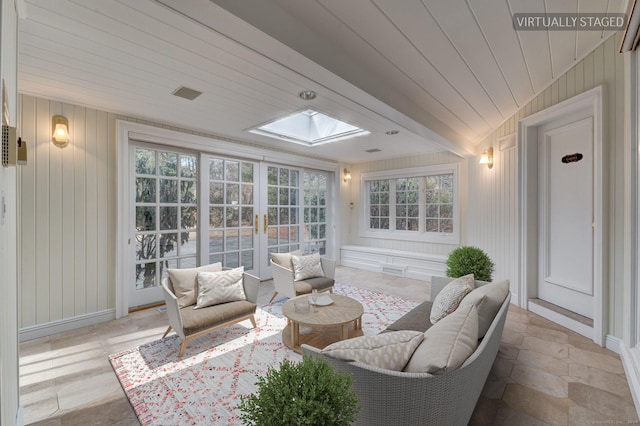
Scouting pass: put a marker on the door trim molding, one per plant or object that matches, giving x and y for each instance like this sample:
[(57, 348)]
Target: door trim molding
[(590, 102)]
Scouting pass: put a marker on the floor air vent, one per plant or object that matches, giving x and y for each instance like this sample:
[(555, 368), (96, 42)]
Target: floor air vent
[(393, 270)]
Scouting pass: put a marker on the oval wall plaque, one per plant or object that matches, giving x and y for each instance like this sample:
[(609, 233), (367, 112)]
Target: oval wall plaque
[(572, 158)]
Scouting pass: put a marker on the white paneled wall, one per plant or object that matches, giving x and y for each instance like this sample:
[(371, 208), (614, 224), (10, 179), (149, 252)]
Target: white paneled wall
[(67, 214), (492, 213)]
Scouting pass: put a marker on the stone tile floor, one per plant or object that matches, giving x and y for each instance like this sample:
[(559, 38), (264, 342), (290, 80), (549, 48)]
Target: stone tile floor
[(544, 374)]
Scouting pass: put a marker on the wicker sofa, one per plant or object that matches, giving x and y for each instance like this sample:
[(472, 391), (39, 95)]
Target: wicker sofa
[(402, 398)]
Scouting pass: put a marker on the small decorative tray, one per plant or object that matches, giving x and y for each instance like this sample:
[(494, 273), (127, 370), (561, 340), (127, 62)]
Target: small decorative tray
[(324, 300)]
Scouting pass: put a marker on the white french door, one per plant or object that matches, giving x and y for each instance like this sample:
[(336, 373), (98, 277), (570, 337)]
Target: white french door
[(232, 209), (191, 209), (280, 214), (165, 224)]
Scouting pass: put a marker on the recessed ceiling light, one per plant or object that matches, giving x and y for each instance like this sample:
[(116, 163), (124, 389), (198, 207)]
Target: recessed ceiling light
[(392, 132), (186, 93), (371, 151), (307, 95)]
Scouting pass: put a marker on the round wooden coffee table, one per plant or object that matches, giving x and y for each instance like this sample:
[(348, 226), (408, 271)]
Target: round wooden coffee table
[(338, 321)]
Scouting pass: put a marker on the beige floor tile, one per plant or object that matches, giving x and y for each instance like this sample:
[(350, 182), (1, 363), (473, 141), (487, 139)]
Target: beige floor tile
[(546, 347), (518, 327), (606, 404), (502, 367), (538, 405), (512, 337), (578, 341), (580, 416), (541, 381), (556, 366), (507, 416), (507, 351), (89, 391), (547, 334), (517, 314), (40, 410), (597, 378), (611, 364)]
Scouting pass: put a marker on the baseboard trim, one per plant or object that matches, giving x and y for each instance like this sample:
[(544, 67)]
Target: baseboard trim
[(564, 321), (67, 324), (613, 344), (20, 416), (631, 363)]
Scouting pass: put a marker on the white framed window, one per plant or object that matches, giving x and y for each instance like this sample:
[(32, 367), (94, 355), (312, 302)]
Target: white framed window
[(418, 204)]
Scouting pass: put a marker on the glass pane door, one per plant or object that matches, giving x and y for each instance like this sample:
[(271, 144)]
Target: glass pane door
[(316, 193), (232, 222), (281, 223), (166, 219)]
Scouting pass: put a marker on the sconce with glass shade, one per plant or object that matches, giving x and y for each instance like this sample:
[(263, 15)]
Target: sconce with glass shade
[(487, 158), (346, 175), (60, 126)]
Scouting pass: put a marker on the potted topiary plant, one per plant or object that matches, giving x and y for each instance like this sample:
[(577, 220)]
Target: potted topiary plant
[(306, 393), (466, 260)]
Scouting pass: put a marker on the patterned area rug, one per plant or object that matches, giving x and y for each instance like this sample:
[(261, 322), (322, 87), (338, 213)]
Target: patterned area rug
[(204, 387)]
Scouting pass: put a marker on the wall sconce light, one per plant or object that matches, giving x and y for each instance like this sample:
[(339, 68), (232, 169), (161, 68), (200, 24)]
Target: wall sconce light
[(346, 175), (487, 158), (60, 126)]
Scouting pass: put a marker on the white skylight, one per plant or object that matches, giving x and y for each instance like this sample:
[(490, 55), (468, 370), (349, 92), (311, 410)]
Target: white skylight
[(309, 128)]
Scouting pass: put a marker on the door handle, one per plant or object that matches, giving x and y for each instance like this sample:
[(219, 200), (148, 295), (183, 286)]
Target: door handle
[(265, 223), (257, 224)]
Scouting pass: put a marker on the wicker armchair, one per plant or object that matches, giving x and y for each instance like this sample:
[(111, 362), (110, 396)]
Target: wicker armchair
[(286, 285), (189, 323)]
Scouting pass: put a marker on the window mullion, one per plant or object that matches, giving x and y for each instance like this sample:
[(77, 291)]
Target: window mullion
[(392, 205), (422, 205)]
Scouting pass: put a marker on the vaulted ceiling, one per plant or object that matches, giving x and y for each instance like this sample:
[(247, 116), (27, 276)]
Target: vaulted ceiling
[(443, 73)]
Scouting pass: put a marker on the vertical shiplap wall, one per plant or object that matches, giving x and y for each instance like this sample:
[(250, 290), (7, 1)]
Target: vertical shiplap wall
[(354, 195), (492, 216), (67, 207)]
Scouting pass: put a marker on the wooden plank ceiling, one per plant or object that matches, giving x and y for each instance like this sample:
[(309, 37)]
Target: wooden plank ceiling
[(444, 73)]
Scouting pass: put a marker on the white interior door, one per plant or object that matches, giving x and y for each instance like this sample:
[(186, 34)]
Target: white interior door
[(566, 203)]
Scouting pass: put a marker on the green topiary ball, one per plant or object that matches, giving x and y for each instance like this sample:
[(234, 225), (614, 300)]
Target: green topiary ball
[(306, 393), (467, 260)]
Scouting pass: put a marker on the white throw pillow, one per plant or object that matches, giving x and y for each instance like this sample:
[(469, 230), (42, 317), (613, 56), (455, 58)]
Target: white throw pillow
[(284, 259), (447, 344), (305, 267), (185, 282), (390, 351), (450, 297), (220, 287), (488, 298)]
